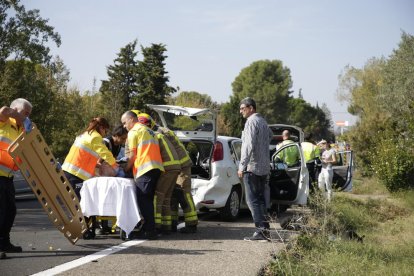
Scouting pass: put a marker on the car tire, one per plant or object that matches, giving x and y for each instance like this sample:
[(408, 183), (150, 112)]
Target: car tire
[(231, 211)]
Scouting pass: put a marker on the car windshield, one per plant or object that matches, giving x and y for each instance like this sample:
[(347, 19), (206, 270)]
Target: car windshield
[(202, 122)]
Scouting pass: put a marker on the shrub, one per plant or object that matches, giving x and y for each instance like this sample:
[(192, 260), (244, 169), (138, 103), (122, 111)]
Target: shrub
[(393, 162)]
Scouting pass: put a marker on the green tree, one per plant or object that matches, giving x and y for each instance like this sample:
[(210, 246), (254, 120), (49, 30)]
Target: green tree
[(396, 95), (152, 78), (193, 99), (24, 34), (360, 87), (311, 119), (121, 85), (381, 95), (268, 83), (198, 100), (25, 79)]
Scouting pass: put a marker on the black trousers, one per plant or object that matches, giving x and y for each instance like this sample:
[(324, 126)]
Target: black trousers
[(7, 209), (312, 174), (146, 184), (75, 182)]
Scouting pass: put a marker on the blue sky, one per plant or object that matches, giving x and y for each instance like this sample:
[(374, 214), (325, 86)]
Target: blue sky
[(210, 42)]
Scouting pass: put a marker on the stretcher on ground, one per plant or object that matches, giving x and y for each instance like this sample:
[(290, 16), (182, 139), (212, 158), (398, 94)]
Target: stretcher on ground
[(45, 176)]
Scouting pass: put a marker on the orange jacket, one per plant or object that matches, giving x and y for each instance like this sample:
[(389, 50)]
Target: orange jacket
[(9, 131), (85, 154), (145, 150)]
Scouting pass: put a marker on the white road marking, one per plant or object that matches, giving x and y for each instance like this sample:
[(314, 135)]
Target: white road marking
[(81, 261)]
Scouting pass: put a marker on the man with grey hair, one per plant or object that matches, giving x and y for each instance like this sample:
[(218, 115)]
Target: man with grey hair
[(254, 166), (13, 120)]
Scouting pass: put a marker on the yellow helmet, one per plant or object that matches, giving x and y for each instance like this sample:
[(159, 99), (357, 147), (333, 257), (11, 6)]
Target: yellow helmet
[(145, 119), (136, 111)]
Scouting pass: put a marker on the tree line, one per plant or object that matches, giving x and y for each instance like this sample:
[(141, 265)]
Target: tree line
[(28, 70), (381, 95)]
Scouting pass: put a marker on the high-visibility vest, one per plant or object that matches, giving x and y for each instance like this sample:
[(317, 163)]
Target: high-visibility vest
[(170, 160), (289, 155), (183, 156), (309, 151), (85, 154), (145, 150), (9, 131)]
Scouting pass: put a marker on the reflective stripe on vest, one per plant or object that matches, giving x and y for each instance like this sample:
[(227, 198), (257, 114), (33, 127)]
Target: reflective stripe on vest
[(82, 174), (9, 131), (182, 153), (146, 150), (81, 160), (169, 159)]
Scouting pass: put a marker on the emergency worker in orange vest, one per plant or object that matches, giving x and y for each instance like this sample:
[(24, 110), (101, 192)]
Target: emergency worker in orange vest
[(167, 180), (87, 153), (144, 158), (13, 120)]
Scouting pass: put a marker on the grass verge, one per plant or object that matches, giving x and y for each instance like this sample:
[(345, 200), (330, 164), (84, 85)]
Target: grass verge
[(329, 244)]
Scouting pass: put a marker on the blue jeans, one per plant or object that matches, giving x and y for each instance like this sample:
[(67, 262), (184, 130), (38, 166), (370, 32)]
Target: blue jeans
[(255, 196)]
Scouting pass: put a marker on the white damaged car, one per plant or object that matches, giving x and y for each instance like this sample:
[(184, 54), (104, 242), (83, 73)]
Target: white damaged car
[(215, 183)]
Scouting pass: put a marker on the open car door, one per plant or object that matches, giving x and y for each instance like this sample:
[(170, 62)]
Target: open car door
[(342, 179), (296, 135), (288, 181)]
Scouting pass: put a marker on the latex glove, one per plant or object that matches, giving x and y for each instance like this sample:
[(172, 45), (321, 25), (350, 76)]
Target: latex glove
[(122, 160), (27, 125), (119, 172)]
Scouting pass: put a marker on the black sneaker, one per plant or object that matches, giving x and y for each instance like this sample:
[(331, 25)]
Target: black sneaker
[(262, 236), (10, 248)]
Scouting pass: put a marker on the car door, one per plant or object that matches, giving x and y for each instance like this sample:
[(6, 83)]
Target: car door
[(343, 169), (288, 181)]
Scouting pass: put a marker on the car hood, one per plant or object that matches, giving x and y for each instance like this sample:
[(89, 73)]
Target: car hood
[(187, 122)]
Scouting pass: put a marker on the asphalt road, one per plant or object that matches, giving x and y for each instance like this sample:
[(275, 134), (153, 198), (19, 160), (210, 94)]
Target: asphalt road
[(216, 249)]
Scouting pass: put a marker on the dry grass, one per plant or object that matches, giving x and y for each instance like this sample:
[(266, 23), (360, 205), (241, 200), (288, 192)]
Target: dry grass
[(324, 247), (367, 186)]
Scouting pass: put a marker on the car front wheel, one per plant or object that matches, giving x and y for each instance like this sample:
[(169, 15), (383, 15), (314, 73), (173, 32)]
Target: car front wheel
[(231, 211)]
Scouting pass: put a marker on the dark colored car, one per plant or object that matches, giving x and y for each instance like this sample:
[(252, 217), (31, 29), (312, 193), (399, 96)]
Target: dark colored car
[(23, 190)]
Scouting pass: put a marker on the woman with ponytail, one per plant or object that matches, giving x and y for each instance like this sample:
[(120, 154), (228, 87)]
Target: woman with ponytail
[(89, 152)]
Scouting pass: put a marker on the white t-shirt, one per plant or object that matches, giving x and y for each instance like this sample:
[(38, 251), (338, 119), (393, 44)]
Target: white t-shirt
[(327, 155)]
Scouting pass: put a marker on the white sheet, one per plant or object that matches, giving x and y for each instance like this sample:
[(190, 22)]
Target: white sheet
[(111, 196)]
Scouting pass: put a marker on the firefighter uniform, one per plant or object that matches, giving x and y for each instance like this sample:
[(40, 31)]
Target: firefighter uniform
[(83, 156), (147, 168), (182, 191), (166, 183)]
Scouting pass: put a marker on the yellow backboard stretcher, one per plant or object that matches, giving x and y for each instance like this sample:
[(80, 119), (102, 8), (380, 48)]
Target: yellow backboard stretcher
[(49, 184)]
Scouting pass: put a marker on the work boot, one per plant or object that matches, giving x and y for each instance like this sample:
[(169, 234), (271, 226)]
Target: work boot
[(2, 255), (174, 226), (149, 235), (189, 229), (10, 248)]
